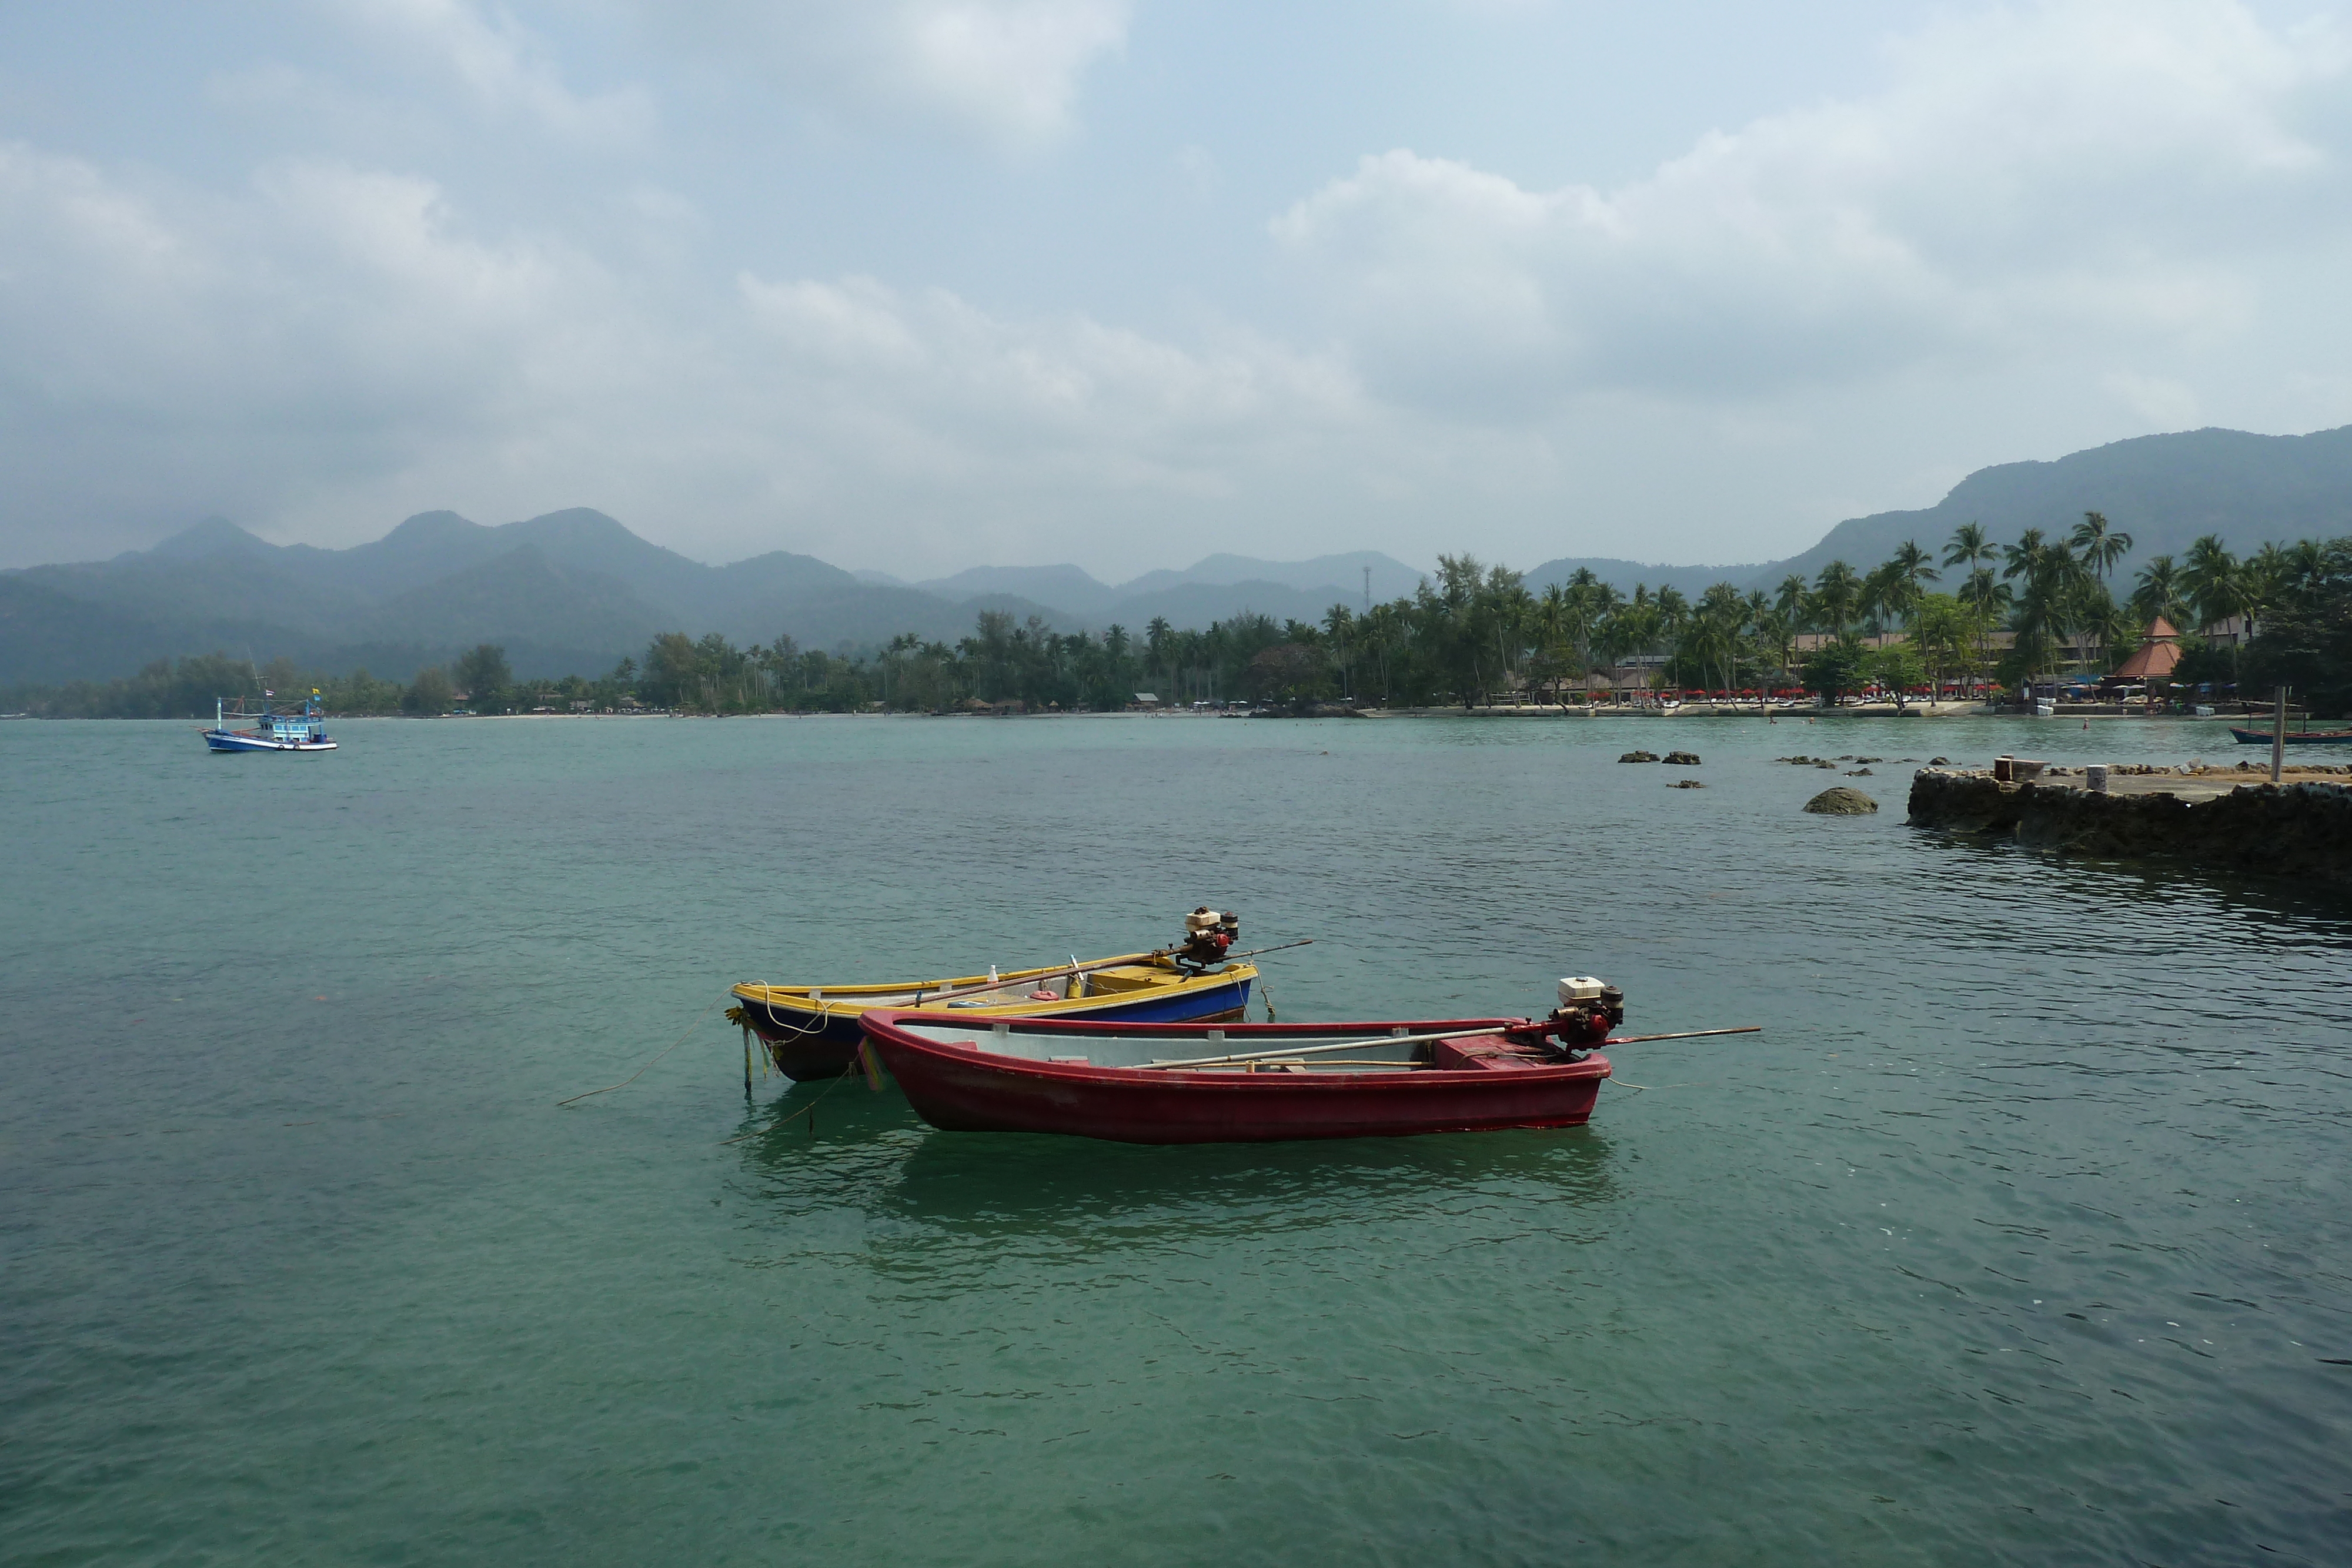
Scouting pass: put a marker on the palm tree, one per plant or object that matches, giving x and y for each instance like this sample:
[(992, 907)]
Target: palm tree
[(1969, 548), (2270, 572), (1381, 631), (2308, 566), (1339, 626), (1794, 598), (1722, 614), (1770, 629), (2024, 557), (2100, 545), (2158, 592), (1882, 597), (1940, 629), (1986, 597), (1837, 595), (2213, 582), (1632, 626), (1916, 566), (1673, 614), (1899, 581), (2118, 632), (1553, 614), (1593, 601)]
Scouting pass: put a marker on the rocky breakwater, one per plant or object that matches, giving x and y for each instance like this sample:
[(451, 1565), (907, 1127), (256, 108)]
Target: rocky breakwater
[(2300, 827)]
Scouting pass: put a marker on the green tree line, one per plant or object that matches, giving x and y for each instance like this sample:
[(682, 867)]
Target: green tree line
[(1469, 634)]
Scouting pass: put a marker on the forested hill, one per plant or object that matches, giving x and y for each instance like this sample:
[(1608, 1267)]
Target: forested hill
[(573, 592), (568, 592), (2163, 490)]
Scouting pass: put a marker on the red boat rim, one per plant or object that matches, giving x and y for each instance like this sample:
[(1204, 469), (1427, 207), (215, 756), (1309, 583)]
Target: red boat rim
[(1206, 1094)]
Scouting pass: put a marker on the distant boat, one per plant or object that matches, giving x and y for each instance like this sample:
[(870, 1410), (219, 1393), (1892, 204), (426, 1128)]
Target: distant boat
[(302, 729), (2294, 737)]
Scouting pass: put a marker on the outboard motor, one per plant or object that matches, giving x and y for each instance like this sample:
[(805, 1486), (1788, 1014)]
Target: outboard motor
[(1209, 935), (1588, 1008)]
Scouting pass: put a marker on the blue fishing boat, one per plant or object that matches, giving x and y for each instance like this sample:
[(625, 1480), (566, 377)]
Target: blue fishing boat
[(812, 1031), (2293, 737), (303, 728)]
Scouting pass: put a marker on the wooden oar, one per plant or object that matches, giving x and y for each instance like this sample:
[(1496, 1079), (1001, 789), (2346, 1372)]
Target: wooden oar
[(1391, 1040), (1085, 968), (923, 1001), (1681, 1034)]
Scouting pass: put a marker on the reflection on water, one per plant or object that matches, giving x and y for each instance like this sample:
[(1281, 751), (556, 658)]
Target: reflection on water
[(981, 1184), (874, 1152)]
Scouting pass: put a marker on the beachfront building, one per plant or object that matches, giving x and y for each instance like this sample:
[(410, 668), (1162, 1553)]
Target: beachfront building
[(2157, 656)]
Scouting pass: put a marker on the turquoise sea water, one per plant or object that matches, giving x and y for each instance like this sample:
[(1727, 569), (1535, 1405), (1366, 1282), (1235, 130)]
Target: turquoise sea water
[(2020, 1235)]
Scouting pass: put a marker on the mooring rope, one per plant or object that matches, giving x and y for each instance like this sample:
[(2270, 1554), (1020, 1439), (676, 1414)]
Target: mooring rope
[(824, 1015), (664, 1051), (809, 1111)]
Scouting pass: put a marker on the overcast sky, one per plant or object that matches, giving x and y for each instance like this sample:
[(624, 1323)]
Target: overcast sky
[(923, 284)]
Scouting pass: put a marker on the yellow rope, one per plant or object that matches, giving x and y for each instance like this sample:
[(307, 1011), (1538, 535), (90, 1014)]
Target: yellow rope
[(640, 1072)]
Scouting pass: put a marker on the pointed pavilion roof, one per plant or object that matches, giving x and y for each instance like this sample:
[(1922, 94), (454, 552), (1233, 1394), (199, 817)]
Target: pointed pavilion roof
[(2160, 627), (2155, 659)]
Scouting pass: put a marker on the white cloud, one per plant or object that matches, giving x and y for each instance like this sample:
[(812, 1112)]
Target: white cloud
[(2056, 224), (2076, 173), (1011, 67), (505, 69), (1071, 374), (993, 430), (333, 348), (1007, 71), (326, 328)]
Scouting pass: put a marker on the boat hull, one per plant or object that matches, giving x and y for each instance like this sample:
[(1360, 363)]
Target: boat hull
[(236, 740), (2263, 737), (814, 1039), (967, 1089)]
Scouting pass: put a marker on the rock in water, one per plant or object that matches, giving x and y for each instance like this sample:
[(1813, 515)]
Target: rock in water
[(1841, 803), (1683, 758), (1686, 784), (1639, 757)]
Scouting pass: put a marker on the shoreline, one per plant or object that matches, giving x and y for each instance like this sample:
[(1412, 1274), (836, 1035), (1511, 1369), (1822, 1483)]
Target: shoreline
[(1570, 712)]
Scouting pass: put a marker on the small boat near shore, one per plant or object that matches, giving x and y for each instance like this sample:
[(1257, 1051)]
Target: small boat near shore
[(812, 1031), (302, 728), (2294, 738), (1190, 1083)]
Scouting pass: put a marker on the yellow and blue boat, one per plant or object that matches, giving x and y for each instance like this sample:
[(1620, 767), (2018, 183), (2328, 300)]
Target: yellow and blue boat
[(812, 1031)]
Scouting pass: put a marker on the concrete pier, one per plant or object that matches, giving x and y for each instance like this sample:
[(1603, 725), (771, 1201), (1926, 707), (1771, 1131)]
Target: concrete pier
[(2301, 827)]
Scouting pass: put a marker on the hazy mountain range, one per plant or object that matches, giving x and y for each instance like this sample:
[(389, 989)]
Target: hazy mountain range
[(574, 591)]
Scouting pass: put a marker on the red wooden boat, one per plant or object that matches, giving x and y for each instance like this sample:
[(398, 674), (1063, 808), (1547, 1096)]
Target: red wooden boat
[(1193, 1084)]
